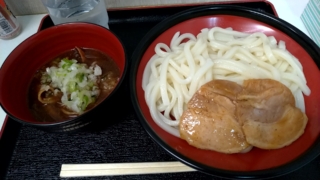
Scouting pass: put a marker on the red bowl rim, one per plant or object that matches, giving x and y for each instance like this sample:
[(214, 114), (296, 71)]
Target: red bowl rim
[(53, 28), (280, 24)]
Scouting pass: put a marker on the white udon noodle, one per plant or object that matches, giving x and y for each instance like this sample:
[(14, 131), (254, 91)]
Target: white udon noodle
[(175, 73)]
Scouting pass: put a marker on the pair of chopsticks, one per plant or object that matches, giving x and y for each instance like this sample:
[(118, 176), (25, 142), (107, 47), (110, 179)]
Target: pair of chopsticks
[(112, 169)]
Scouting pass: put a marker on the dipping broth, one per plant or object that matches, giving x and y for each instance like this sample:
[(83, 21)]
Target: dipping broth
[(49, 102)]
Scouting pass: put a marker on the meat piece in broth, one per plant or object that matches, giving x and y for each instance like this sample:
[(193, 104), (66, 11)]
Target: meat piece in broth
[(266, 109), (210, 122)]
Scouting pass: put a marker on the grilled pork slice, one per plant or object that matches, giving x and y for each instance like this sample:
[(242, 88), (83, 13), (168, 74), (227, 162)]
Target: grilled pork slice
[(266, 109), (210, 122)]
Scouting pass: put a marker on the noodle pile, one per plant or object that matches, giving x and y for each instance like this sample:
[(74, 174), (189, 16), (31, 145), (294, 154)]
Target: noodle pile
[(176, 72)]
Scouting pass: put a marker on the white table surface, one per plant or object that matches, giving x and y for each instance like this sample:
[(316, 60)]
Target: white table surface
[(287, 10)]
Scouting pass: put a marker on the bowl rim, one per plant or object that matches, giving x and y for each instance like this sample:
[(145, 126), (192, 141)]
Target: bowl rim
[(52, 28), (269, 19)]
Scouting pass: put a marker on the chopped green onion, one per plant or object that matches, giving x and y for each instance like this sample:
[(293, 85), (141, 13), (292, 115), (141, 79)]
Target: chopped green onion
[(80, 76), (76, 81)]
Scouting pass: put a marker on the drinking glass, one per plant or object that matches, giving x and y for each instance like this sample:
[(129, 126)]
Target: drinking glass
[(92, 11)]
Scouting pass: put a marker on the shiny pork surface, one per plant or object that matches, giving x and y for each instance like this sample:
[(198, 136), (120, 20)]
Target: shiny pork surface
[(226, 117), (210, 122), (266, 109)]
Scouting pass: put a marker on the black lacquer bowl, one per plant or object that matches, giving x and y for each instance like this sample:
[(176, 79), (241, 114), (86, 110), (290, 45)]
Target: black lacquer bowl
[(22, 63), (257, 163)]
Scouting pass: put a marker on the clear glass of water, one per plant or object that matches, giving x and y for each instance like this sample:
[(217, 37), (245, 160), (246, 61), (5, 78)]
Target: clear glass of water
[(92, 11)]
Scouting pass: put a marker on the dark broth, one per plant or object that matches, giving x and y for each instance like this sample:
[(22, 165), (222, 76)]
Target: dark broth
[(52, 112)]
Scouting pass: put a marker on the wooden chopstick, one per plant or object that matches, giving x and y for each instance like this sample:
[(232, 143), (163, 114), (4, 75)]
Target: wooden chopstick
[(112, 169)]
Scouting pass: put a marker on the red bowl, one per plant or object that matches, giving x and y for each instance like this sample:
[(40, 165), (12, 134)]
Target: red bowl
[(257, 163), (22, 63)]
